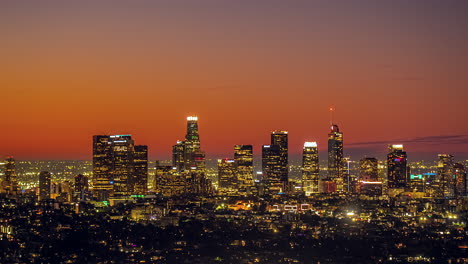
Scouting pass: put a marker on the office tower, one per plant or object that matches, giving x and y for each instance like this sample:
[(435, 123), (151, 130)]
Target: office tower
[(368, 183), (310, 168), (10, 181), (81, 191), (280, 139), (122, 169), (140, 165), (368, 169), (271, 169), (396, 167), (169, 181), (102, 166), (118, 167), (191, 143), (44, 185), (460, 179), (243, 157), (445, 176), (178, 156), (227, 176), (336, 166)]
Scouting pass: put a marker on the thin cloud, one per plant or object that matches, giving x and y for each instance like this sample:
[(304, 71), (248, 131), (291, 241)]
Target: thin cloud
[(461, 139)]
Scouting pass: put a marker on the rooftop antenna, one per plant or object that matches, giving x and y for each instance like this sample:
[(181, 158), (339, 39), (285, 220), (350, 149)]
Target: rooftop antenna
[(332, 109)]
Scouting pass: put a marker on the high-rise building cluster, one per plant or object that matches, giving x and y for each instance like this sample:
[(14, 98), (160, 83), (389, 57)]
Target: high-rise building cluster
[(187, 174), (121, 170)]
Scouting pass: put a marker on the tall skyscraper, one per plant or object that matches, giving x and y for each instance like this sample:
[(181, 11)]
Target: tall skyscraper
[(336, 164), (140, 165), (280, 139), (117, 166), (271, 169), (310, 168), (460, 180), (10, 181), (446, 176), (192, 152), (81, 190), (102, 166), (396, 167), (178, 156), (275, 163), (122, 169), (368, 169), (227, 176), (45, 179), (243, 157)]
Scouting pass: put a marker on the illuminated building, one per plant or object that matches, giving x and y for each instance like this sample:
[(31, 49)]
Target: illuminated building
[(416, 182), (280, 139), (460, 179), (227, 176), (192, 145), (243, 157), (81, 190), (10, 181), (396, 167), (169, 181), (446, 176), (368, 183), (44, 185), (119, 167), (122, 164), (140, 166), (310, 168), (336, 166), (271, 169), (178, 156), (275, 163), (102, 166), (368, 169)]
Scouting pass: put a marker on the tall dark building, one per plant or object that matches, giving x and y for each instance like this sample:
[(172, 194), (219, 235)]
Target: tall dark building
[(102, 166), (45, 179), (336, 164), (10, 181), (280, 139), (227, 176), (271, 169), (81, 190), (243, 157), (368, 169), (310, 168), (178, 156), (396, 167), (122, 160), (140, 165), (460, 179), (117, 166), (192, 152), (445, 176)]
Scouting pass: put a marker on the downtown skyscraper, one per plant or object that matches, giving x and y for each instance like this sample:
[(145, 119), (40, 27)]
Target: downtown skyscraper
[(9, 184), (396, 167), (275, 163), (243, 157), (336, 164), (187, 155), (310, 168), (118, 166)]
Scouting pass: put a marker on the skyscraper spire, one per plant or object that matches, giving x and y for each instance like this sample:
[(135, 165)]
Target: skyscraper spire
[(332, 110)]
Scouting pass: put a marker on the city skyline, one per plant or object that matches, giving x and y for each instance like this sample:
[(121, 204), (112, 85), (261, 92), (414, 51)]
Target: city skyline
[(395, 71)]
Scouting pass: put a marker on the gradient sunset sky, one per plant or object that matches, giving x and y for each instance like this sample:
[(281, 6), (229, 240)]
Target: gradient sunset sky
[(396, 72)]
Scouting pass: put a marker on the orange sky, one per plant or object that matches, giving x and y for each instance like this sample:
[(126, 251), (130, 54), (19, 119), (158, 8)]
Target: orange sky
[(393, 73)]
